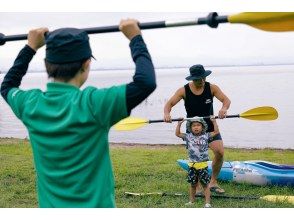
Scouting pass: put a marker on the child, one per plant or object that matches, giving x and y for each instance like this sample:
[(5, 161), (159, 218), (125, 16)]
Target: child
[(197, 145), (68, 127)]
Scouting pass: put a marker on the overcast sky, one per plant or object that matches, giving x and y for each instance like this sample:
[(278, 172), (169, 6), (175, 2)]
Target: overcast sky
[(229, 44)]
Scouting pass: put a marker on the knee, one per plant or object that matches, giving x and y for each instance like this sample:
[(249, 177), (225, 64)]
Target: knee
[(219, 154), (218, 149)]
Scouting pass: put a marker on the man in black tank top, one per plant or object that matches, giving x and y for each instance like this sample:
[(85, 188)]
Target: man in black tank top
[(198, 98)]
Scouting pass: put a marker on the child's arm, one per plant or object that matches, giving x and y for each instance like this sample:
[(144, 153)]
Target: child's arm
[(13, 78), (178, 130), (215, 127)]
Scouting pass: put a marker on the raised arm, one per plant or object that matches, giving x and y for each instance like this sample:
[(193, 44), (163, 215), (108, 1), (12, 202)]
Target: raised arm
[(15, 74), (216, 91), (144, 82), (172, 102), (178, 130)]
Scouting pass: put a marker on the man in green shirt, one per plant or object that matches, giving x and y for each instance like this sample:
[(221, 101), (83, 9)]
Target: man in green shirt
[(68, 127)]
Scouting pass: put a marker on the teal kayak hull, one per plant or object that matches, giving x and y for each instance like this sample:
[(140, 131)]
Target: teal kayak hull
[(253, 172)]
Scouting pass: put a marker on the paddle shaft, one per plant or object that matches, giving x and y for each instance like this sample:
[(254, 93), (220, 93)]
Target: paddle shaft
[(161, 120), (212, 20), (229, 196), (219, 196), (228, 116), (205, 117)]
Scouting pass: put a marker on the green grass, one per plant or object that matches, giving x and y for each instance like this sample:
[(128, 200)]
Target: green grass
[(139, 169)]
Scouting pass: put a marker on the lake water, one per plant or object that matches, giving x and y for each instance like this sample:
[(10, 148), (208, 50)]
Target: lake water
[(247, 87)]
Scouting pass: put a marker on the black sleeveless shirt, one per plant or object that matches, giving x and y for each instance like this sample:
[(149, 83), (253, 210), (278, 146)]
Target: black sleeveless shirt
[(199, 105)]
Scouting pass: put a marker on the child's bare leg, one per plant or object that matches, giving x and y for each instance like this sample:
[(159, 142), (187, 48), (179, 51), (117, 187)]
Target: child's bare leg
[(192, 193), (199, 187), (206, 193)]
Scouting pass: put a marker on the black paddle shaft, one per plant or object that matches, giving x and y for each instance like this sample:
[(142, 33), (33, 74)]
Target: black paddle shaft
[(212, 20), (228, 116), (180, 119), (218, 196), (157, 121), (224, 196)]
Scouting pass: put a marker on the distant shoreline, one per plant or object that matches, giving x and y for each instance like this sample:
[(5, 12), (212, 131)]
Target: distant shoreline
[(171, 67)]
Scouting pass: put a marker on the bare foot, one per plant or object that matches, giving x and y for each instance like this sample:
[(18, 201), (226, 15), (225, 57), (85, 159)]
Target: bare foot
[(216, 189)]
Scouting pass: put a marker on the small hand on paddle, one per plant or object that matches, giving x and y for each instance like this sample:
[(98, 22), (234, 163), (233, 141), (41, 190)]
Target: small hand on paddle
[(130, 28), (181, 122), (36, 38), (212, 119)]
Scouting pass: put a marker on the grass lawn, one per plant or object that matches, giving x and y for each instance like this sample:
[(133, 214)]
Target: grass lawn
[(139, 169)]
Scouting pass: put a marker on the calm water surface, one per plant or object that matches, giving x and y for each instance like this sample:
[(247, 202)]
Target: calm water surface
[(247, 87)]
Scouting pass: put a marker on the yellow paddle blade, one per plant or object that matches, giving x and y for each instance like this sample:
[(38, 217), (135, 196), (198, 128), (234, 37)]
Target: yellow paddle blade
[(273, 198), (264, 113), (267, 21), (130, 123)]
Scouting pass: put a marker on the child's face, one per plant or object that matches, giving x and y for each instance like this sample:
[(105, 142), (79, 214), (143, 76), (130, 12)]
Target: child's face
[(196, 127)]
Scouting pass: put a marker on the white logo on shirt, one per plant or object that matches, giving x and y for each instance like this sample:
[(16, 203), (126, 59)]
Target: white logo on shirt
[(207, 101)]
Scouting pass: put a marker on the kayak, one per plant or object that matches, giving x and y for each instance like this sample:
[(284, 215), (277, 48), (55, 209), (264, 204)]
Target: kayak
[(253, 172)]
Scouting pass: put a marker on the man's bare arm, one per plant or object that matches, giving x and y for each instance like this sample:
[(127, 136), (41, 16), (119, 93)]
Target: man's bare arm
[(180, 93), (216, 91)]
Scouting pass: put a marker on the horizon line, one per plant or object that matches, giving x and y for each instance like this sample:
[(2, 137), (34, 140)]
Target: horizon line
[(170, 67)]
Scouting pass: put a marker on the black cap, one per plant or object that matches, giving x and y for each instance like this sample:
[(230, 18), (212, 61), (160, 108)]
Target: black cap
[(197, 72), (67, 45)]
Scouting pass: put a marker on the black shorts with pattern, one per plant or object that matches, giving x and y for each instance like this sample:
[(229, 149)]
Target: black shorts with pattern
[(198, 175)]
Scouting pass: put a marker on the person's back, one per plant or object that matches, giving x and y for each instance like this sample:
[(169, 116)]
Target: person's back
[(65, 129), (69, 127)]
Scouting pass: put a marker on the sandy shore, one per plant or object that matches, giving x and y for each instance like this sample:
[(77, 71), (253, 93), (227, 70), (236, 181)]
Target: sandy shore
[(6, 141)]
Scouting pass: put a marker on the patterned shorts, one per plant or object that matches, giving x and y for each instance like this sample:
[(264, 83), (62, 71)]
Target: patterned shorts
[(195, 175)]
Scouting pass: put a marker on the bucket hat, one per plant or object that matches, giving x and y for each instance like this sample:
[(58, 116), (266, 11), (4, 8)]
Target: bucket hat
[(196, 119), (197, 72)]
